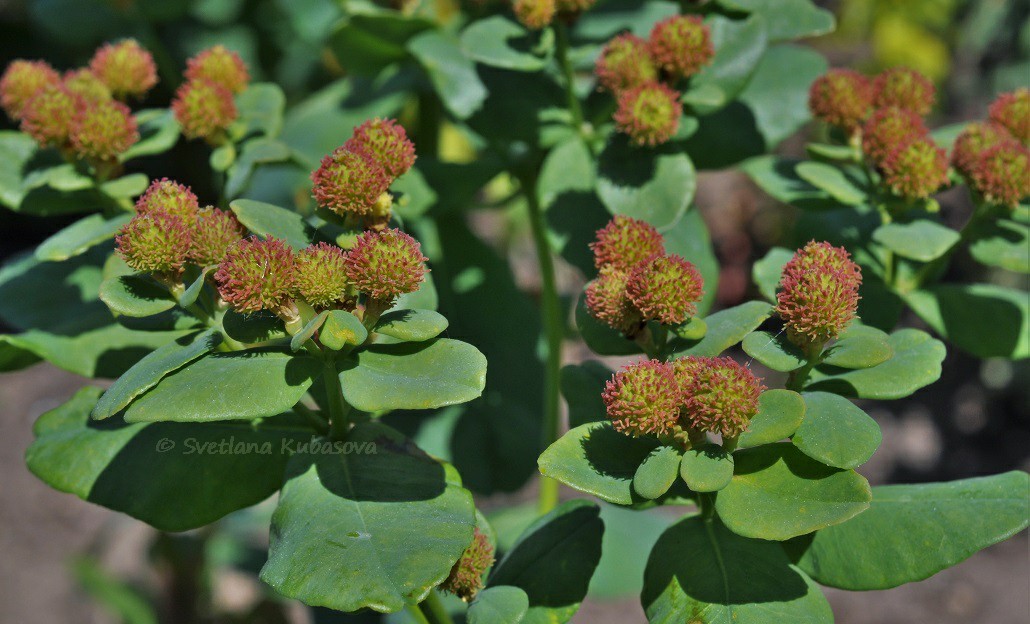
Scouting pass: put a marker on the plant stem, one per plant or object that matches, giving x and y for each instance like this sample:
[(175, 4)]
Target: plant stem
[(312, 417), (428, 130), (433, 610), (339, 409), (561, 41), (416, 614), (554, 329), (797, 379)]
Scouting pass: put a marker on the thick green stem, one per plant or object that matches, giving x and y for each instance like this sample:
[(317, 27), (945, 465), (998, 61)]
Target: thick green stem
[(433, 610), (339, 409), (415, 611), (561, 40), (797, 379)]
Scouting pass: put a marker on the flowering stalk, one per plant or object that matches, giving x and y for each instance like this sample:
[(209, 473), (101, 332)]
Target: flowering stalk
[(561, 42)]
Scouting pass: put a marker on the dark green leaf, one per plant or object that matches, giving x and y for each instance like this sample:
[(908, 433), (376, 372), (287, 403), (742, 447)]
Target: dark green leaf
[(412, 325), (581, 385), (774, 350), (252, 328), (498, 605), (499, 42), (342, 328), (836, 432), (367, 42), (767, 272), (79, 237), (653, 185), (601, 339), (739, 45), (452, 73), (135, 295), (832, 180), (779, 178), (1002, 243), (921, 240), (859, 346), (268, 220), (16, 150), (707, 468), (725, 329), (126, 187), (254, 153), (689, 238), (916, 363), (261, 108), (778, 91), (159, 132), (307, 332), (787, 19), (982, 319), (656, 474), (780, 412)]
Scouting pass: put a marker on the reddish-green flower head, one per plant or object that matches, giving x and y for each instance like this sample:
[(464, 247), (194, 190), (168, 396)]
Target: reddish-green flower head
[(976, 138), (842, 98), (221, 66), (818, 295), (685, 369), (170, 197), (534, 14), (85, 84), (625, 242), (387, 143), (721, 396), (1002, 173), (916, 168), (21, 81), (322, 275), (608, 302), (649, 114), (214, 233), (666, 289), (681, 45), (204, 109), (466, 577), (349, 182), (48, 117), (102, 130), (154, 243), (1012, 110), (574, 6), (386, 264), (258, 275), (888, 128), (905, 88), (625, 63), (643, 398), (125, 67)]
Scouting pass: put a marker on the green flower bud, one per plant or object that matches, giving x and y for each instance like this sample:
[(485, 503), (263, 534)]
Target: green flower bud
[(841, 98), (720, 396), (125, 67), (466, 577), (681, 45), (215, 232), (322, 275), (258, 275), (906, 89), (666, 289), (204, 110), (386, 264), (221, 66), (155, 243), (649, 114), (643, 399), (21, 81)]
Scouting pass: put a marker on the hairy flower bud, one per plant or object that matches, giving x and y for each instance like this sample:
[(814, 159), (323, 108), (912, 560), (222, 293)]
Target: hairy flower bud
[(154, 243), (21, 81), (322, 275), (905, 88), (48, 117), (1002, 173), (887, 128), (649, 114), (976, 138), (625, 63), (681, 45), (204, 109), (534, 14), (169, 197), (103, 130), (386, 264), (125, 67), (466, 577), (666, 289), (258, 275), (349, 182), (387, 143), (818, 295), (624, 242), (221, 66), (721, 396), (608, 302), (916, 168), (643, 398), (842, 98), (1012, 110), (86, 85), (215, 232)]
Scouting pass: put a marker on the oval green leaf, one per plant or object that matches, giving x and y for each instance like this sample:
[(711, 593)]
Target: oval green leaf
[(412, 325), (341, 328), (135, 295), (656, 474), (773, 350), (836, 432), (859, 346), (498, 605), (921, 240), (982, 319), (725, 329), (268, 221), (79, 237), (707, 468), (652, 185), (780, 412)]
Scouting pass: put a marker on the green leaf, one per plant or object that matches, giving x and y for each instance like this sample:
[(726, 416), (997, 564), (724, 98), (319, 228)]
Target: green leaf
[(261, 108), (135, 295), (369, 41), (780, 413), (694, 329), (192, 292), (654, 185), (254, 327), (126, 187), (982, 319), (255, 152), (16, 150), (342, 328), (689, 238), (656, 474), (222, 157), (778, 92), (228, 386), (921, 240), (912, 532), (596, 459), (582, 385), (779, 178), (452, 74), (567, 539), (268, 220), (499, 42), (601, 339), (787, 20), (416, 196), (159, 132), (828, 151), (498, 605), (778, 493), (79, 237), (412, 325), (739, 45), (707, 468), (1002, 243), (859, 346), (836, 432), (174, 476), (308, 331), (145, 374), (725, 329), (766, 272), (833, 181), (916, 363), (373, 528), (699, 571), (774, 350), (413, 375)]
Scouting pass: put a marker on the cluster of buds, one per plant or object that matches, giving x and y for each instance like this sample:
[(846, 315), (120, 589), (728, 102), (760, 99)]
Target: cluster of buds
[(204, 104), (993, 155), (539, 14), (641, 75), (818, 295), (637, 281), (682, 399), (466, 577), (353, 180)]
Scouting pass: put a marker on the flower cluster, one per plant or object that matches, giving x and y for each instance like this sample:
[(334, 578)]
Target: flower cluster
[(466, 577), (638, 281), (846, 99), (125, 68), (633, 70), (993, 155), (818, 295), (353, 180), (539, 14), (204, 104)]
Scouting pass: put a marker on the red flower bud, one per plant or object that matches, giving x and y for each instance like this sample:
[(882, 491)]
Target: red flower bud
[(649, 114), (976, 138), (216, 231), (221, 66), (349, 183), (666, 289), (49, 115), (466, 577), (906, 89), (818, 295), (916, 168), (103, 130), (387, 143), (21, 81), (625, 63), (888, 128), (386, 264), (169, 197), (534, 14), (720, 396), (608, 302), (681, 45), (204, 109), (1002, 173), (1012, 110), (322, 275), (154, 243), (125, 67), (258, 275), (85, 84), (842, 98), (625, 242), (643, 398)]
